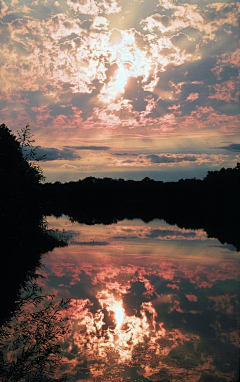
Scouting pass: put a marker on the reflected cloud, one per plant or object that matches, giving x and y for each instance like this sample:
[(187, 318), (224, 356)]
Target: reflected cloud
[(139, 310), (164, 316), (127, 233), (134, 318)]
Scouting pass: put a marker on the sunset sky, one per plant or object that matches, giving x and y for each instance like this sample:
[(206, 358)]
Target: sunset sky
[(123, 88)]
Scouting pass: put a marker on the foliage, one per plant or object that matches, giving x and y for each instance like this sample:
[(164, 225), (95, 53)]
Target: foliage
[(29, 349), (19, 176), (25, 138), (14, 167)]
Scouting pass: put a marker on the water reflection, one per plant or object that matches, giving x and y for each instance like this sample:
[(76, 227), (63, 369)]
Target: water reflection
[(148, 303), (29, 339)]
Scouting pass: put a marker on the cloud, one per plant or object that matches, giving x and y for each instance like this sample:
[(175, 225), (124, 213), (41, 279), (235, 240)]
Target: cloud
[(231, 147), (152, 67), (3, 9), (167, 160), (68, 167), (192, 97), (51, 153), (159, 233), (125, 154), (97, 148), (89, 243), (171, 159)]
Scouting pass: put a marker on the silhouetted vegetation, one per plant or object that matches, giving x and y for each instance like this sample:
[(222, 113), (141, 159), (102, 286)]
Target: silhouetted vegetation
[(23, 228), (212, 204), (19, 178), (29, 349)]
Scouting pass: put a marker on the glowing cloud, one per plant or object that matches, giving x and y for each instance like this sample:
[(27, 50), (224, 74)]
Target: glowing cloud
[(154, 68)]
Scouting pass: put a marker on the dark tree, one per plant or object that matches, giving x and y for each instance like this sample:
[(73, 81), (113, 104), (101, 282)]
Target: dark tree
[(19, 177), (24, 237)]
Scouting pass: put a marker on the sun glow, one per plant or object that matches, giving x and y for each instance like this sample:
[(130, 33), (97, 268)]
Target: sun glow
[(131, 61), (116, 86)]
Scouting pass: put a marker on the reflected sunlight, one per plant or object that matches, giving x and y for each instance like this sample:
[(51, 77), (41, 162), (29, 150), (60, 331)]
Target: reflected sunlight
[(151, 303), (116, 306), (111, 332)]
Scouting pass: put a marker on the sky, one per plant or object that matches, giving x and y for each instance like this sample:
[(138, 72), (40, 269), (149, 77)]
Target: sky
[(123, 89)]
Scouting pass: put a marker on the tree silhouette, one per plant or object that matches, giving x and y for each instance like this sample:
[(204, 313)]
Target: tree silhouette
[(25, 138), (13, 164), (19, 177), (23, 226)]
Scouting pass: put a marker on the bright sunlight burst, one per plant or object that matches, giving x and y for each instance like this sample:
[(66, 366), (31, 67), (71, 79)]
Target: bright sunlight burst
[(131, 61)]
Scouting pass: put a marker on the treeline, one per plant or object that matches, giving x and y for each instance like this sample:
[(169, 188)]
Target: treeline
[(219, 190), (212, 204)]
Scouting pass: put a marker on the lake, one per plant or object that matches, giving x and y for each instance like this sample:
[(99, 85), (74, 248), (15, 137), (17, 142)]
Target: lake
[(147, 302)]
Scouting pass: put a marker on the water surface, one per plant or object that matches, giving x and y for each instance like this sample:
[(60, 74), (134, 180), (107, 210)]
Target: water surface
[(148, 302)]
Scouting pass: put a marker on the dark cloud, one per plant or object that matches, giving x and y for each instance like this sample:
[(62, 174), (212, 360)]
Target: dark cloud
[(232, 147), (165, 233), (218, 45), (170, 159), (228, 246), (128, 161), (50, 153), (189, 88), (90, 243), (97, 148), (60, 110), (125, 238), (125, 154), (228, 73), (87, 102), (134, 92), (195, 77), (227, 108), (158, 233), (72, 36), (162, 108)]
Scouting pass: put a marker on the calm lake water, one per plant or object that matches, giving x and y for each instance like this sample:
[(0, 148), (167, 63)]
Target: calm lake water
[(148, 302)]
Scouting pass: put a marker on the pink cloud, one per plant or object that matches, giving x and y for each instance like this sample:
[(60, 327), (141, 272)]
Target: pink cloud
[(192, 97), (225, 91), (191, 297)]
